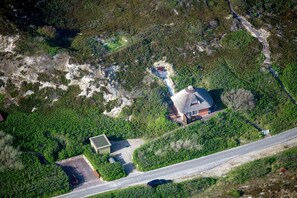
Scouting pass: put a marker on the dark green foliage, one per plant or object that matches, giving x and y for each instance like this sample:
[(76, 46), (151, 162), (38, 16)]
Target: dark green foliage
[(262, 167), (289, 78), (30, 45), (112, 171), (228, 185), (235, 193), (249, 171), (256, 7), (172, 190), (107, 170), (226, 130), (62, 130), (237, 40), (34, 180), (148, 114)]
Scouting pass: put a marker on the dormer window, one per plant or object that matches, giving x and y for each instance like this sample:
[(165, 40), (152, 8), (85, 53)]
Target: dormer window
[(194, 102)]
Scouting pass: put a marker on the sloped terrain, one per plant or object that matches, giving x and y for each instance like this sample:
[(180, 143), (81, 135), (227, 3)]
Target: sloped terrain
[(73, 69)]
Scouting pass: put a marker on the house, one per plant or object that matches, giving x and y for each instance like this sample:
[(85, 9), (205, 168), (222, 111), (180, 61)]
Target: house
[(100, 144), (192, 103)]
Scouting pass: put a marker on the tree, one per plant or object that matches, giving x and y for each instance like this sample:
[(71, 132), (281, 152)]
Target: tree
[(239, 99), (8, 154)]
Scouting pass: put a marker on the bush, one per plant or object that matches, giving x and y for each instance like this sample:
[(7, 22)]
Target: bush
[(238, 40), (240, 99), (47, 31), (253, 170), (108, 171), (34, 180), (224, 131), (289, 77), (9, 156), (235, 193), (182, 189)]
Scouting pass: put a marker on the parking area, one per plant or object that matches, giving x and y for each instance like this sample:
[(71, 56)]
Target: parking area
[(123, 151), (80, 172)]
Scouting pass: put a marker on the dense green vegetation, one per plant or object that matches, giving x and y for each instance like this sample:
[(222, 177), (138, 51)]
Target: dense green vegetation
[(61, 133), (237, 39), (178, 30), (289, 78), (34, 180), (116, 43), (220, 187), (277, 17), (226, 130), (62, 130), (262, 167), (9, 156), (107, 171), (183, 189)]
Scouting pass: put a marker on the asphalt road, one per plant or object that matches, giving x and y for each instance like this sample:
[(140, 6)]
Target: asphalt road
[(188, 168)]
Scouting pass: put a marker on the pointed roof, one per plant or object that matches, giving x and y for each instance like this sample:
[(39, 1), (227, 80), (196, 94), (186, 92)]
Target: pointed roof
[(192, 99)]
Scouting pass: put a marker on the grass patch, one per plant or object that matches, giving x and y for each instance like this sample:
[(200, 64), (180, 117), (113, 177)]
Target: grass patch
[(116, 43)]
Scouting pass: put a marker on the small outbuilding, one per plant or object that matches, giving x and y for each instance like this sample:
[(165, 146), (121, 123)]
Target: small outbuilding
[(192, 103), (100, 144)]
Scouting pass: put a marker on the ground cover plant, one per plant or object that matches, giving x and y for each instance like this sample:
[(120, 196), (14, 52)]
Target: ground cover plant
[(280, 168), (183, 189), (108, 171), (36, 179), (9, 156), (205, 46), (226, 130), (115, 43)]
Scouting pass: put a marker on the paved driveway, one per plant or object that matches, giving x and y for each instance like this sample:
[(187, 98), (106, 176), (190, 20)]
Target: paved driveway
[(80, 167), (123, 151)]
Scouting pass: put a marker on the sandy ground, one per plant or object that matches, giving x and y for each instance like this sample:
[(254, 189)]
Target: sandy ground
[(123, 151), (221, 170)]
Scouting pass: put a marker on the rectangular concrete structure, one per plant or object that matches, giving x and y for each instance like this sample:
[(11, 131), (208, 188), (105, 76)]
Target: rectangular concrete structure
[(100, 144)]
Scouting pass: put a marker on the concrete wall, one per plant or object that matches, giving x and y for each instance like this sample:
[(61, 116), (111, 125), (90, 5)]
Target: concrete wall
[(104, 150)]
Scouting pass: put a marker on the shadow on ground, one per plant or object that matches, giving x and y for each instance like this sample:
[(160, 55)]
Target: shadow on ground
[(115, 146)]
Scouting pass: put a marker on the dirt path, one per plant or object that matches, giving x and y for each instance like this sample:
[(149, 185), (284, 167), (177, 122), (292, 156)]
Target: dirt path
[(262, 36)]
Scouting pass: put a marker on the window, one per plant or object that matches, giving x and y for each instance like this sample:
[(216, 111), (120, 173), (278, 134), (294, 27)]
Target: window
[(195, 112), (189, 113), (196, 101)]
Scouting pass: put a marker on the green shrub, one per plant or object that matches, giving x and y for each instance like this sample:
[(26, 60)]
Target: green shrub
[(289, 78), (238, 40), (235, 193), (108, 171), (183, 189), (112, 171), (253, 170), (34, 180), (224, 131)]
